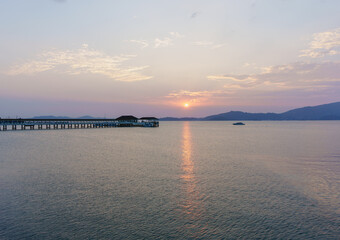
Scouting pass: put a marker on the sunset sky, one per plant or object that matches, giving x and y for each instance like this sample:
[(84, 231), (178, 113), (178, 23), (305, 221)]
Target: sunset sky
[(151, 57)]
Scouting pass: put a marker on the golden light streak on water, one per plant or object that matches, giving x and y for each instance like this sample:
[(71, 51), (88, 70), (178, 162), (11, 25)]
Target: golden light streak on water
[(192, 206)]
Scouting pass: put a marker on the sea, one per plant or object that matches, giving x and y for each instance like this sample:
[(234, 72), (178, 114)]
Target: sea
[(183, 180)]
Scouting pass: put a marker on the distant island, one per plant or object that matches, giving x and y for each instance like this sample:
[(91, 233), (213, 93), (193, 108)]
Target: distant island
[(329, 111), (65, 117)]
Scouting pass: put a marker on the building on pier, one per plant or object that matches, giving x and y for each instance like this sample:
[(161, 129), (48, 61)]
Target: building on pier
[(150, 121), (127, 118), (127, 121)]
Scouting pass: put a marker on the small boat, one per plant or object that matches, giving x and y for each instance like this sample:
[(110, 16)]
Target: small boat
[(238, 123)]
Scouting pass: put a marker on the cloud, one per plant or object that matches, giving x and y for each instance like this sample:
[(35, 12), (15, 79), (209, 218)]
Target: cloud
[(203, 43), (323, 44), (185, 93), (212, 45), (159, 42), (289, 76), (197, 97), (216, 46), (82, 61), (167, 41), (285, 82), (195, 14), (141, 43), (175, 35), (234, 78)]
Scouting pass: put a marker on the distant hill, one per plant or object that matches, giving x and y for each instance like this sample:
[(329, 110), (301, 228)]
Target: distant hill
[(65, 117), (51, 117), (329, 111), (237, 115), (180, 119)]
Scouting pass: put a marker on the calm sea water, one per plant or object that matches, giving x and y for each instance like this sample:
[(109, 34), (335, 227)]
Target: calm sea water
[(183, 180)]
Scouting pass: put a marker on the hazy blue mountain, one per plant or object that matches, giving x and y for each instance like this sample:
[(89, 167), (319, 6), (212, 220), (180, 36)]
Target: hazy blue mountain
[(180, 119), (329, 111), (51, 117), (237, 115), (65, 117)]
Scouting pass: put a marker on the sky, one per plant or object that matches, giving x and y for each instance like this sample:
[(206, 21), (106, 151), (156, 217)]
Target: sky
[(161, 58)]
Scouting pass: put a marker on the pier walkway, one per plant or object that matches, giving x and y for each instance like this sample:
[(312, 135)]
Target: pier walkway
[(32, 123)]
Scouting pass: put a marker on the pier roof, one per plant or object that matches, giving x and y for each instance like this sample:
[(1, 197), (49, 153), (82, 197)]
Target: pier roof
[(126, 118), (148, 118)]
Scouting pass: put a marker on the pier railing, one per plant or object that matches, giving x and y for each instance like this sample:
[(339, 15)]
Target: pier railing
[(23, 124)]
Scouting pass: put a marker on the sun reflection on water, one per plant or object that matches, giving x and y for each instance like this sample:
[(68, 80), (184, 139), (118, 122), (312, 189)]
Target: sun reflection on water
[(191, 204)]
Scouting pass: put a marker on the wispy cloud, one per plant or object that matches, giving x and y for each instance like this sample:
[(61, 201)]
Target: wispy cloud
[(167, 41), (176, 35), (216, 46), (295, 75), (185, 93), (295, 80), (141, 43), (323, 44), (209, 44), (195, 14), (159, 42), (196, 97), (82, 61), (203, 43)]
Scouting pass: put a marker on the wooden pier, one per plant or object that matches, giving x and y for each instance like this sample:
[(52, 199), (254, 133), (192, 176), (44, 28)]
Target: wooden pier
[(40, 124)]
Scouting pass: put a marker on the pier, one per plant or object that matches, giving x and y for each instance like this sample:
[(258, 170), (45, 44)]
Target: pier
[(48, 124)]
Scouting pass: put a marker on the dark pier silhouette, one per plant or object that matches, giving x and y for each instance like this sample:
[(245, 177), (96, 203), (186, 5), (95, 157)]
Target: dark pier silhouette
[(39, 124)]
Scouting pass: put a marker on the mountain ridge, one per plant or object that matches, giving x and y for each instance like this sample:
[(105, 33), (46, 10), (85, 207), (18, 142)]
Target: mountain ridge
[(329, 111)]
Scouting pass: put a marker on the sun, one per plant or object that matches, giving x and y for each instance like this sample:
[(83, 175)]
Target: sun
[(186, 105)]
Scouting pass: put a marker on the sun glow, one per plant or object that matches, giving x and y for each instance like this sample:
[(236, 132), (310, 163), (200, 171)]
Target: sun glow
[(186, 105)]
